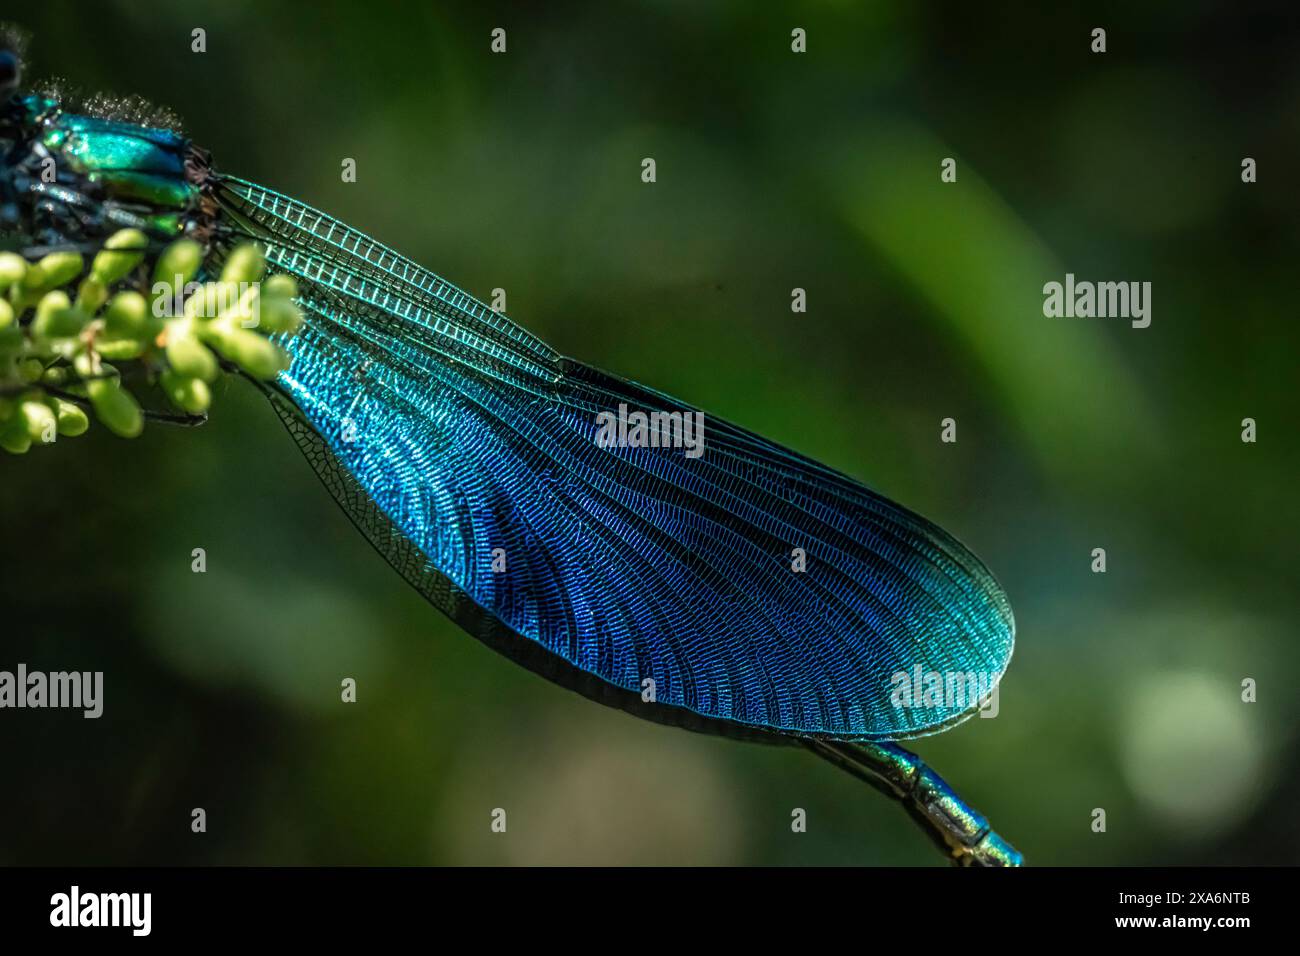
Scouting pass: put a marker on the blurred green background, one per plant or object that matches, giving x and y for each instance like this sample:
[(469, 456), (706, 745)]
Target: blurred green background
[(775, 171)]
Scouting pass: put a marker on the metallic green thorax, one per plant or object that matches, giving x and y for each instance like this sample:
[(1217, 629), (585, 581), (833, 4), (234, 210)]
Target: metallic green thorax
[(72, 177)]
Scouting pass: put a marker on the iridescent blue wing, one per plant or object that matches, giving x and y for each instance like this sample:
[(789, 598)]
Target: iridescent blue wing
[(458, 442)]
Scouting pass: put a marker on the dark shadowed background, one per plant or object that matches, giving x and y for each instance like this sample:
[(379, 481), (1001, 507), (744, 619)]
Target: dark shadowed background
[(775, 171)]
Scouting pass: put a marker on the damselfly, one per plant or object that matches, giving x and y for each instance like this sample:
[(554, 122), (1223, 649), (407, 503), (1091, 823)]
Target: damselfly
[(732, 586)]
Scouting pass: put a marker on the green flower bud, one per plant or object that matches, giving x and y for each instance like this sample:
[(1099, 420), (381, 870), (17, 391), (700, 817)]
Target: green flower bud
[(55, 375), (42, 424), (56, 318), (280, 286), (91, 294), (32, 282), (60, 268), (190, 357), (244, 312), (122, 252), (31, 370), (115, 407), (72, 419), (120, 350), (14, 439), (127, 317), (88, 365), (279, 314), (12, 269), (206, 303), (52, 302), (245, 264), (256, 355), (190, 395), (6, 314), (179, 261)]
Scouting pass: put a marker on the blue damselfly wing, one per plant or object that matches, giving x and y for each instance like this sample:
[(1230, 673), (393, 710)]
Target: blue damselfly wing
[(468, 452)]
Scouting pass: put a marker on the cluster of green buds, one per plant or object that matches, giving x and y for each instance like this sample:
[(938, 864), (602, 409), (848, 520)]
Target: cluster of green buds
[(64, 332)]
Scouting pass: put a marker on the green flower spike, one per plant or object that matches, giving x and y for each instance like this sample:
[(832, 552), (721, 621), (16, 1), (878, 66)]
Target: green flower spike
[(55, 348)]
